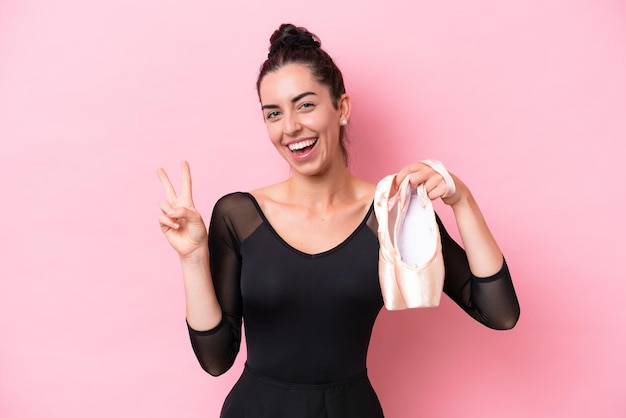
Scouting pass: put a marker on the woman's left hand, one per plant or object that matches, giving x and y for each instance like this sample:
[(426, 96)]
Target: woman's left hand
[(483, 254), (436, 186)]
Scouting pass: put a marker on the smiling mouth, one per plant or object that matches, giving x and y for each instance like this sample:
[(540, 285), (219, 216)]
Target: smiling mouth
[(302, 146)]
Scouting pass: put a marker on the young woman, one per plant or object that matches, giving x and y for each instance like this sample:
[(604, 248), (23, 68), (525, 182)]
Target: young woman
[(298, 260)]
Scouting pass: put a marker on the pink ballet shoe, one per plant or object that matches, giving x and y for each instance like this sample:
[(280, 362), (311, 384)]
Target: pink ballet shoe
[(410, 266)]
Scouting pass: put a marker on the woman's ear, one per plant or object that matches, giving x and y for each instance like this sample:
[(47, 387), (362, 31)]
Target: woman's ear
[(344, 107)]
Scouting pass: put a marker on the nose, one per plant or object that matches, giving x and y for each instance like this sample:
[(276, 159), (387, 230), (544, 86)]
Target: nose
[(291, 124)]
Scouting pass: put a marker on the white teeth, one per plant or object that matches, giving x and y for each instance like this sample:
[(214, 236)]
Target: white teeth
[(302, 144)]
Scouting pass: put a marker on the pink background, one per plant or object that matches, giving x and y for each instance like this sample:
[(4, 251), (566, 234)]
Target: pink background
[(525, 101)]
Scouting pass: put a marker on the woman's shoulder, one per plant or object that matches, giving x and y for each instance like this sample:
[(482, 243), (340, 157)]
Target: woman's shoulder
[(365, 189), (274, 193), (234, 202), (238, 213), (271, 189), (233, 198)]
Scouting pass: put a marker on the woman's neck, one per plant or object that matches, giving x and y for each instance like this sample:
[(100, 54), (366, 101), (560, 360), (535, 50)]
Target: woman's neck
[(333, 185)]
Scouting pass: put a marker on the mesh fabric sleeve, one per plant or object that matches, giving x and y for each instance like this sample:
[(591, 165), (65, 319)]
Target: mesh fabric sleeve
[(490, 300), (216, 349)]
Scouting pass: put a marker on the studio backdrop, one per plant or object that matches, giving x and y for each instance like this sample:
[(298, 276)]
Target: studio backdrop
[(524, 101)]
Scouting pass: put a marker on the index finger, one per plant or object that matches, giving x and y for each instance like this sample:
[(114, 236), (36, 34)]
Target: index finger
[(407, 170), (167, 184)]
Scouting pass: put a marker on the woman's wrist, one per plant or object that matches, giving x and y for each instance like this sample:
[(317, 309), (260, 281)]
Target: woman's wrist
[(462, 198), (199, 256)]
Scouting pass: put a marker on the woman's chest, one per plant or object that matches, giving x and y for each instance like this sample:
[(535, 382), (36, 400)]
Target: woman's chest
[(275, 275)]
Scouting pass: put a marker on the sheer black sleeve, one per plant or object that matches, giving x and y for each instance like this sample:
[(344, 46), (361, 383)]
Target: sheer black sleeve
[(231, 221), (490, 300)]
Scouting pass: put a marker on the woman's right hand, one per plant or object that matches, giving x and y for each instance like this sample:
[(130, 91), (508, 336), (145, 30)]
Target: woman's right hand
[(180, 221)]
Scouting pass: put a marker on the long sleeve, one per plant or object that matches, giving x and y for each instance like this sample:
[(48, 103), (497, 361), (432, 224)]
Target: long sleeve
[(216, 349), (490, 300)]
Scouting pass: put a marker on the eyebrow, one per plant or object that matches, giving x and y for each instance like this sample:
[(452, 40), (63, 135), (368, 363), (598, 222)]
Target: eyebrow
[(294, 100)]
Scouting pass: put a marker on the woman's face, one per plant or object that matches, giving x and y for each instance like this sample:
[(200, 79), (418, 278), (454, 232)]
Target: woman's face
[(301, 120)]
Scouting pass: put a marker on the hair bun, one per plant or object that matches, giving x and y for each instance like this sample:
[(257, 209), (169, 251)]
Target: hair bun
[(289, 35)]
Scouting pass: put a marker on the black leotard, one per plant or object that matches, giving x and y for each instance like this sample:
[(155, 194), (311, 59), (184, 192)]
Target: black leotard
[(309, 317)]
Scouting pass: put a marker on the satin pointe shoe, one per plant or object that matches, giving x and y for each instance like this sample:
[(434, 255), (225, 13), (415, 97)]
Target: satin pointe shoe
[(419, 268), (385, 211), (410, 267)]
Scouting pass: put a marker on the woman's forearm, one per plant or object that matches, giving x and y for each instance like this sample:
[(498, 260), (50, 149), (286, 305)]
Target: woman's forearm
[(483, 252), (203, 310)]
